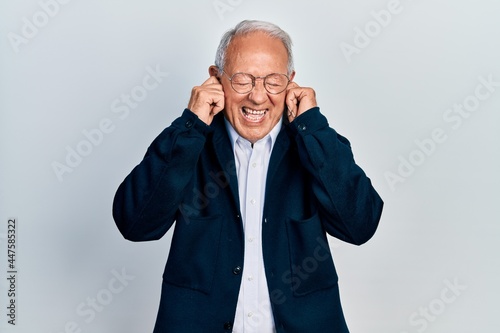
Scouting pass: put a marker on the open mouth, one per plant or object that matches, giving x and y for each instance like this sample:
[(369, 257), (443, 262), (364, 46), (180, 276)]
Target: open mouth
[(253, 115)]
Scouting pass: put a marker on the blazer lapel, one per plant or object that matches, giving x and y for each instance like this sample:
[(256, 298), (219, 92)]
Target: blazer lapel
[(280, 148), (225, 155)]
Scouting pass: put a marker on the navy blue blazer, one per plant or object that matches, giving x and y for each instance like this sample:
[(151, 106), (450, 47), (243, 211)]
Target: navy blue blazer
[(313, 187)]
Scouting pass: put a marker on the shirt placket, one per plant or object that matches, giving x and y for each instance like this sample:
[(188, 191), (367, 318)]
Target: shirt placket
[(253, 250)]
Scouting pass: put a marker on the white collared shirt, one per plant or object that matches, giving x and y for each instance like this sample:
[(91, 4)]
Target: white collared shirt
[(253, 310)]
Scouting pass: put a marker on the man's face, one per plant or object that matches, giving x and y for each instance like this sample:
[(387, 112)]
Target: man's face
[(253, 115)]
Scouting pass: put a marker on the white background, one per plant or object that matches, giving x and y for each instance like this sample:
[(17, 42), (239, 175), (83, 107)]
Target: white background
[(440, 226)]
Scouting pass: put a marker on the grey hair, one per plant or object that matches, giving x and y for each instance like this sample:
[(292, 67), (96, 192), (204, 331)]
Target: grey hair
[(246, 27)]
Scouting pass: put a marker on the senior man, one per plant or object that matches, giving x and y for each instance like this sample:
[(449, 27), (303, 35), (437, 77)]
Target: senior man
[(254, 178)]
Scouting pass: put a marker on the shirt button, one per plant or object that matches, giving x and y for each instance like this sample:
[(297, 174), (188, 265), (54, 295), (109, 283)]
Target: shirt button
[(254, 165), (253, 201), (237, 270), (250, 314), (250, 278)]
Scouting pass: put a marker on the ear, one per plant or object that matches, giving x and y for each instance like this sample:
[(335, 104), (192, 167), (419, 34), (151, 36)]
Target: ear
[(292, 76), (213, 70)]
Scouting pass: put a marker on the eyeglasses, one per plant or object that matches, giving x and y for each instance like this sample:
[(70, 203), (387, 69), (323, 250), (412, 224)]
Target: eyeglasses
[(244, 83)]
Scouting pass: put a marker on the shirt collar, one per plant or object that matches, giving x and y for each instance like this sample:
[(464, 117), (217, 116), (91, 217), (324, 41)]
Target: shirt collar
[(234, 136)]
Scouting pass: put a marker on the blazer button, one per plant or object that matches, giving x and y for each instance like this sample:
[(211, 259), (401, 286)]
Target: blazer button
[(228, 325), (189, 124), (237, 270), (302, 127)]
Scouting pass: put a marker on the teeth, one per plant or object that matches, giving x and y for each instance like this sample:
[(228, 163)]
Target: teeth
[(254, 112), (254, 115)]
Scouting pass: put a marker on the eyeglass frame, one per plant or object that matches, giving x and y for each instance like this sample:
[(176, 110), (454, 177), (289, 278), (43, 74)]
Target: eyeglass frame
[(254, 79)]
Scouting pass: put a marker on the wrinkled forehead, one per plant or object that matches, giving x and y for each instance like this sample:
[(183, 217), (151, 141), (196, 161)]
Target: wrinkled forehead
[(256, 53)]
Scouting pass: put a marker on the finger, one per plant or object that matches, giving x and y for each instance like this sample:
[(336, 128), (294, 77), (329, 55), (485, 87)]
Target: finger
[(290, 114), (207, 99), (211, 80), (292, 85), (217, 104), (212, 84), (292, 101)]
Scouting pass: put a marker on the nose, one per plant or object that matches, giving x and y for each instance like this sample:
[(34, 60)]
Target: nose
[(258, 95)]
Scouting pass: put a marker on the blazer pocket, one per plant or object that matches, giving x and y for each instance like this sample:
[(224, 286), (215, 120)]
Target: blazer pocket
[(193, 253), (311, 263)]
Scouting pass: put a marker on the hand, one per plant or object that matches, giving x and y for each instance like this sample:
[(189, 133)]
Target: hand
[(207, 100), (298, 100)]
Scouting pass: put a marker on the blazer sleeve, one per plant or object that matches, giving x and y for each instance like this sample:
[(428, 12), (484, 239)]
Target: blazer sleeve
[(146, 202), (349, 206)]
